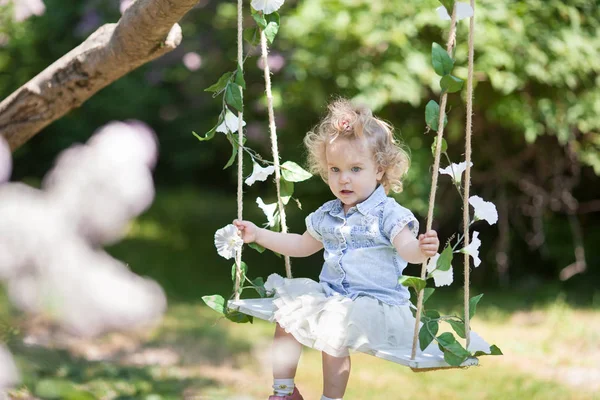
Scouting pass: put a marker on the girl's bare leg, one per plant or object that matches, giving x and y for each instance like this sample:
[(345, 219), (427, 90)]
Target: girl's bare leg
[(336, 372), (286, 354)]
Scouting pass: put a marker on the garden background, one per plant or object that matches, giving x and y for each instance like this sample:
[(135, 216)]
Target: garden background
[(536, 154)]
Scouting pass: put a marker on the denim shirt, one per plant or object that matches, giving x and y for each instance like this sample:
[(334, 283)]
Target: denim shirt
[(360, 258)]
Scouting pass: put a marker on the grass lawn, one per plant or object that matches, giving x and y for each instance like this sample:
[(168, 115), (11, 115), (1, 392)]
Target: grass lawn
[(551, 344)]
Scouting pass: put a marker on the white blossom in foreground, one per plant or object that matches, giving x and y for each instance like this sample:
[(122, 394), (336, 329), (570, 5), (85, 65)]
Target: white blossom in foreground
[(24, 9), (455, 171), (9, 376), (484, 210), (5, 160), (269, 210), (227, 241), (51, 257), (463, 10), (440, 278), (267, 6), (259, 174), (272, 281), (230, 124), (473, 249), (476, 343)]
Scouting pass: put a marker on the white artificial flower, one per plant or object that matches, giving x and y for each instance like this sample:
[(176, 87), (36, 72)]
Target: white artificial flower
[(273, 281), (440, 278), (443, 278), (227, 241), (266, 6), (432, 264), (268, 209), (259, 173), (476, 343), (473, 249), (230, 124), (484, 210), (455, 171), (463, 10)]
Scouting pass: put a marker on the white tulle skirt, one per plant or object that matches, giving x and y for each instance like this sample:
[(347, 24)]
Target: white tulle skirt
[(336, 324)]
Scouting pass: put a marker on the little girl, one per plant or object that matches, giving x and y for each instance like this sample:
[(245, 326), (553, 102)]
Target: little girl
[(367, 237)]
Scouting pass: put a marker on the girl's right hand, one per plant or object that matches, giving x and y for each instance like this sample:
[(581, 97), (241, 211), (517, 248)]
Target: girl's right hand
[(248, 231)]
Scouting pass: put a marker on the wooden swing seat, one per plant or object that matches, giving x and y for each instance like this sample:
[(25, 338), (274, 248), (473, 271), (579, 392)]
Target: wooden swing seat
[(264, 309)]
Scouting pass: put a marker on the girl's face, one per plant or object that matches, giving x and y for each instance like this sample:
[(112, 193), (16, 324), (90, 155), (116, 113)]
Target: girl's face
[(352, 173)]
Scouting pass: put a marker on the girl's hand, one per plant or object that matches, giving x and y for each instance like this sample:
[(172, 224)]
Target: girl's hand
[(429, 243), (248, 231)]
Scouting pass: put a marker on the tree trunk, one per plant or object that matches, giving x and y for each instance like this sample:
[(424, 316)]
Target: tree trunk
[(147, 30)]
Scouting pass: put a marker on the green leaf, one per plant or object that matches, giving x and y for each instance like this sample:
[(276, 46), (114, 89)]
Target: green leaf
[(449, 4), (287, 190), (495, 350), (444, 144), (412, 281), (259, 286), (260, 20), (244, 269), (451, 84), (432, 115), (441, 61), (454, 353), (459, 327), (239, 77), (427, 333), (473, 304), (215, 302), (256, 247), (234, 149), (427, 292), (221, 83), (432, 314), (209, 135), (292, 172), (233, 96), (445, 261), (252, 36), (272, 26), (238, 317)]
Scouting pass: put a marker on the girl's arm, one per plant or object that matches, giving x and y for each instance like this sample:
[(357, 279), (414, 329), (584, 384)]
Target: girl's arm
[(415, 251), (288, 244)]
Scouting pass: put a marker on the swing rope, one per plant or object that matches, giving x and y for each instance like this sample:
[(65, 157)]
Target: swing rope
[(240, 173), (274, 148), (467, 182), (434, 179)]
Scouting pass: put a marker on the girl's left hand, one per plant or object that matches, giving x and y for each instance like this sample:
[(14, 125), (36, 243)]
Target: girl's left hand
[(429, 243)]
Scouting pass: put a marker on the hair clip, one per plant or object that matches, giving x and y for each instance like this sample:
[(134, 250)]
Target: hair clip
[(345, 125)]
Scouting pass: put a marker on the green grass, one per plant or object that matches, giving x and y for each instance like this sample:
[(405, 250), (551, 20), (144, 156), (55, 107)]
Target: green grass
[(550, 342)]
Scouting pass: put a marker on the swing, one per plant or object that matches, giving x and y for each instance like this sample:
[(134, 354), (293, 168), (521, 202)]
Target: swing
[(263, 308)]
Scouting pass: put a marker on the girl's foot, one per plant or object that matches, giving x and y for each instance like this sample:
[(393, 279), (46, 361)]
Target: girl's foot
[(294, 396)]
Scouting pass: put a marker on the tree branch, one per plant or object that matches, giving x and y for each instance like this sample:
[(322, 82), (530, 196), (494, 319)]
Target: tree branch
[(147, 30)]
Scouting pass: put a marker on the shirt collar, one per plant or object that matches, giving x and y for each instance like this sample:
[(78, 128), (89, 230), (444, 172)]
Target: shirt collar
[(375, 199)]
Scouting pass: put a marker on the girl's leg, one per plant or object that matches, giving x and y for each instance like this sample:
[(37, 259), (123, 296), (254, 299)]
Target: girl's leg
[(336, 372), (286, 354)]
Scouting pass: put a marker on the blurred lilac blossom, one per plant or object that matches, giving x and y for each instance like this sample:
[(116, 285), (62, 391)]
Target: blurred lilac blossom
[(192, 61), (125, 4), (24, 9), (51, 257), (276, 62)]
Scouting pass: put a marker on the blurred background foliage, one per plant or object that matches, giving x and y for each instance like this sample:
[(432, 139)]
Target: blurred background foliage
[(536, 143)]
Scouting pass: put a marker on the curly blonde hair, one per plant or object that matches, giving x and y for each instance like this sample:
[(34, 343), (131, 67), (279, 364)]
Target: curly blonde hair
[(349, 122)]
